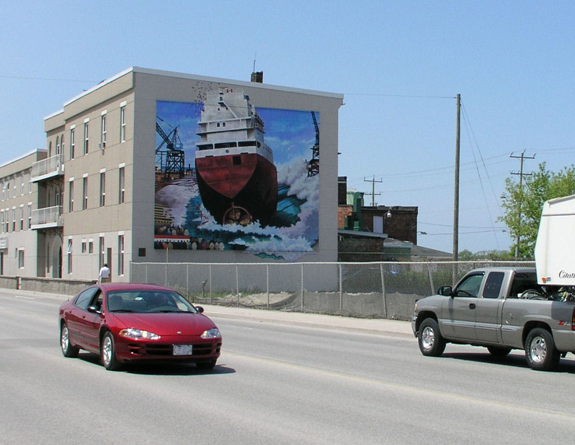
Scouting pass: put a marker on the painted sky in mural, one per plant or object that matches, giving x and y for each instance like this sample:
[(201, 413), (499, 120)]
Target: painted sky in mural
[(182, 219)]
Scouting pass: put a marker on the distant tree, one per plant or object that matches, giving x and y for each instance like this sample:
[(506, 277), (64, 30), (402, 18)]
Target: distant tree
[(492, 255), (537, 188)]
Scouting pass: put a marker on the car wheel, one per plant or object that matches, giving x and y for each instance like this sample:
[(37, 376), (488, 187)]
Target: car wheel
[(108, 354), (431, 342), (67, 349), (498, 351), (540, 350), (206, 365)]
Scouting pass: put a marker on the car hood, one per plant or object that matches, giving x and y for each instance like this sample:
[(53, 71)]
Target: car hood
[(181, 323)]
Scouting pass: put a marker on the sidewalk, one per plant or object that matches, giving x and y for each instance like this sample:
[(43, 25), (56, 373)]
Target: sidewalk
[(377, 326)]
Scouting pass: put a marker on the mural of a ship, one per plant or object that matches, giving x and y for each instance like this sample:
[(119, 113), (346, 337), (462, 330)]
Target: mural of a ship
[(236, 175)]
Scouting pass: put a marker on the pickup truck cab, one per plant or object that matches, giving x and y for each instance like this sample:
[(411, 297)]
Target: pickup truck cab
[(501, 308)]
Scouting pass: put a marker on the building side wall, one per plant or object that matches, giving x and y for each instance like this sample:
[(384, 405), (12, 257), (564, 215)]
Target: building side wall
[(150, 88)]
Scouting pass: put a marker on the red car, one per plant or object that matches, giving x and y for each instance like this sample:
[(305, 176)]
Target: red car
[(129, 323)]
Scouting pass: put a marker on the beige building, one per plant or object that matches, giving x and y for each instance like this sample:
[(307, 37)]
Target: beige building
[(19, 252), (96, 194)]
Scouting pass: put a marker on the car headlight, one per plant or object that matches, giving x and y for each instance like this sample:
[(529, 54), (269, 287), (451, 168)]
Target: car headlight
[(211, 333), (138, 334)]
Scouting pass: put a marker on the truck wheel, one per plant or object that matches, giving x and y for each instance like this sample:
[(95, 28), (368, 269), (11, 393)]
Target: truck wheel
[(431, 343), (540, 350), (498, 351)]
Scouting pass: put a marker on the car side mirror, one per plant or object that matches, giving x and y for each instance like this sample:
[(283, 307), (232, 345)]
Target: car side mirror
[(446, 291), (94, 310), (199, 309)]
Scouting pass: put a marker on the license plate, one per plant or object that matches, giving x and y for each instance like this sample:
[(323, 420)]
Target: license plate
[(183, 349)]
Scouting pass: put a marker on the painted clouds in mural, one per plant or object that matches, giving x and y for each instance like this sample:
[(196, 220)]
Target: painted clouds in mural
[(233, 177)]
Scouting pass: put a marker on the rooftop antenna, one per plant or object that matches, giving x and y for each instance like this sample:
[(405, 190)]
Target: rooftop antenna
[(257, 76)]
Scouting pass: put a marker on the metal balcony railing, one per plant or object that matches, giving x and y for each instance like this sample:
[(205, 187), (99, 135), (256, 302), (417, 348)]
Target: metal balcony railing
[(47, 217), (48, 168)]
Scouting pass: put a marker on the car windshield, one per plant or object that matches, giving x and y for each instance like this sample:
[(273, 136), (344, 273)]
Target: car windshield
[(146, 301)]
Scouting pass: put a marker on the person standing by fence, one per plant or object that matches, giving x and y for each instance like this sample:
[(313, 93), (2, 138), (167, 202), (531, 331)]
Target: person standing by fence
[(104, 276)]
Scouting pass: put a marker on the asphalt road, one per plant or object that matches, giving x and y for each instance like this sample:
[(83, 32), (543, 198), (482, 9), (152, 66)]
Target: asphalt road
[(277, 382)]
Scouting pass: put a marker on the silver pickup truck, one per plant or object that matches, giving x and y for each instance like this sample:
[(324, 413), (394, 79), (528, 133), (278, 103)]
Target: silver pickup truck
[(502, 309)]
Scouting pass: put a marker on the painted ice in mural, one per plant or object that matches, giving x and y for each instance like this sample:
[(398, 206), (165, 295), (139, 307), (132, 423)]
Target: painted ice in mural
[(233, 177)]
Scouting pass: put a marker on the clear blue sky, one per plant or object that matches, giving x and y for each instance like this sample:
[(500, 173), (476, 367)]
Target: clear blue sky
[(399, 63)]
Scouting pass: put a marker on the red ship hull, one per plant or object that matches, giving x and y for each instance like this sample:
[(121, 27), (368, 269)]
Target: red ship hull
[(246, 181)]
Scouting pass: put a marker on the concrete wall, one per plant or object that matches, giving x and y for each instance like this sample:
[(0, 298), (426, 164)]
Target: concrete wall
[(45, 285)]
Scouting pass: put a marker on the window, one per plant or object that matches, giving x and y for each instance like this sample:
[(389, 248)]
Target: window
[(90, 246), (102, 189), (29, 216), (102, 252), (2, 220), (84, 193), (22, 217), (120, 254), (71, 195), (103, 132), (57, 145), (123, 124), (72, 143), (493, 285), (83, 246), (122, 182), (22, 185), (13, 219), (69, 252), (62, 145), (86, 138), (470, 287), (21, 258)]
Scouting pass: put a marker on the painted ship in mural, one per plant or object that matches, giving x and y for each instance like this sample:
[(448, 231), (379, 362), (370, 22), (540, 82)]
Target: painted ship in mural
[(236, 175)]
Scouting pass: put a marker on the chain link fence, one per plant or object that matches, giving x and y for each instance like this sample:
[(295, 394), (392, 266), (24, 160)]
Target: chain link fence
[(364, 290)]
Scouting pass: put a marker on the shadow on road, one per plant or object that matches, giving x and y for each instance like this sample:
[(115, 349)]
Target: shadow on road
[(163, 369)]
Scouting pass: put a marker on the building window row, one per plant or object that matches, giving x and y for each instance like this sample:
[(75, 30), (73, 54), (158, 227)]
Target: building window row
[(86, 146), (16, 184), (102, 193)]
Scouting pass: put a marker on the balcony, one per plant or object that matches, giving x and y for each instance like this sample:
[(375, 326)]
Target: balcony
[(48, 168), (47, 218)]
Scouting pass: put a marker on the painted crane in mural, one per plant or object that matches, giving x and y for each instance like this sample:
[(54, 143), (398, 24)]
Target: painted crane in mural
[(171, 159), (313, 163)]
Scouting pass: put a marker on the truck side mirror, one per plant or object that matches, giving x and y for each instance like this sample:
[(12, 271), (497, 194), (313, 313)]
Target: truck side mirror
[(445, 290)]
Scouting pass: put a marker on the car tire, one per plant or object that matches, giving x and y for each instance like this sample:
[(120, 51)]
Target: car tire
[(540, 350), (430, 340), (498, 351), (67, 349), (108, 353), (206, 365)]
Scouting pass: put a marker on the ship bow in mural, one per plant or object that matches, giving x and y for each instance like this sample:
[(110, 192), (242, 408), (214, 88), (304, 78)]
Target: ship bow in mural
[(236, 175)]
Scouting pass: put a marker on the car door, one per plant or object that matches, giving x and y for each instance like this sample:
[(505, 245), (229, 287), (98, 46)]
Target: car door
[(458, 312), (488, 310), (92, 322), (78, 317)]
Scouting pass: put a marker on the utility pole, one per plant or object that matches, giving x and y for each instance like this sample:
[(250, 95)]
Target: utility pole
[(373, 181), (456, 184), (522, 157)]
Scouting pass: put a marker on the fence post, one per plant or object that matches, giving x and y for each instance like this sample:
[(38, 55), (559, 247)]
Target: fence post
[(210, 277), (268, 283), (237, 288), (187, 280), (383, 290), (301, 278), (340, 291), (430, 279)]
